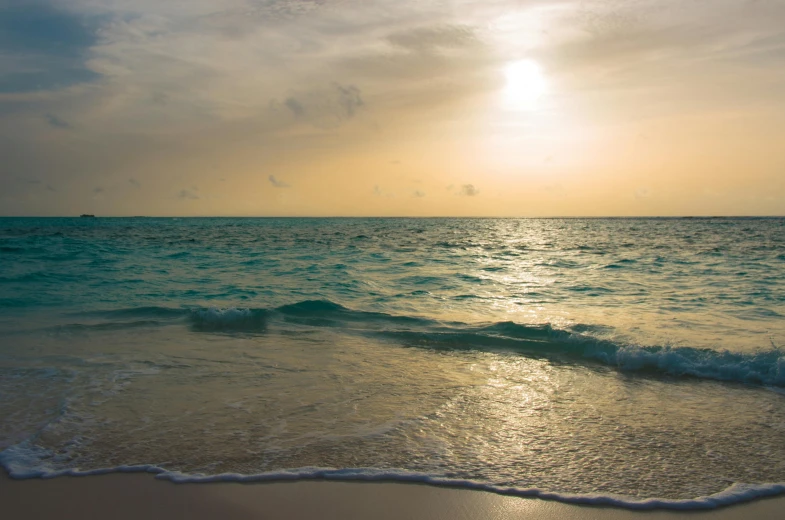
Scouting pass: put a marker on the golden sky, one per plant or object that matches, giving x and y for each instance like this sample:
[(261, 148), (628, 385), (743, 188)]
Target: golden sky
[(382, 107)]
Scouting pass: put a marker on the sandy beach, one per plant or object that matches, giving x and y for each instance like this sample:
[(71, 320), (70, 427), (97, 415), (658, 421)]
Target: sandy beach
[(122, 496)]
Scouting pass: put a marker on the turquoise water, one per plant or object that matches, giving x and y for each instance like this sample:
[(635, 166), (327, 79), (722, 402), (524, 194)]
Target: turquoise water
[(639, 358)]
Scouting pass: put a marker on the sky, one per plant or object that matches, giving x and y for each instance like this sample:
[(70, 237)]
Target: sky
[(392, 107)]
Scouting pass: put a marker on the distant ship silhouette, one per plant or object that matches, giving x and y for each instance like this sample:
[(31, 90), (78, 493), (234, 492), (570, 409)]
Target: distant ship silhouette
[(86, 215)]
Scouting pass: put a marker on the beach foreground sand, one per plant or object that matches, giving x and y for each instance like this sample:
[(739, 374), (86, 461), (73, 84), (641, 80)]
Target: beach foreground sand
[(126, 496)]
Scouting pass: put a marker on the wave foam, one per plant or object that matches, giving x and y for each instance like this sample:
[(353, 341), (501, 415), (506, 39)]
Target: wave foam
[(231, 319), (23, 461)]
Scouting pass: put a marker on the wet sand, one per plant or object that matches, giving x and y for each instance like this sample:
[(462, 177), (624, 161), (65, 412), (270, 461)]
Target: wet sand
[(134, 496)]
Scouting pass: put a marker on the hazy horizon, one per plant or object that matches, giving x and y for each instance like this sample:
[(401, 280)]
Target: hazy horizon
[(501, 108)]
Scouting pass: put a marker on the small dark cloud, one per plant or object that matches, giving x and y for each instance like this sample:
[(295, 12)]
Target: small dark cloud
[(450, 187), (396, 161), (418, 194), (294, 106), (277, 183), (188, 194), (49, 187), (349, 99), (98, 190), (56, 122), (469, 190), (133, 182)]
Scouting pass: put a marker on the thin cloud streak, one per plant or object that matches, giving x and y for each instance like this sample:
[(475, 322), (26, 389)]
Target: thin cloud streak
[(277, 183)]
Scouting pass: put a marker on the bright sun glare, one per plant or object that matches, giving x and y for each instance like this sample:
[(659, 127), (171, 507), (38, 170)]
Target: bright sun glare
[(525, 85)]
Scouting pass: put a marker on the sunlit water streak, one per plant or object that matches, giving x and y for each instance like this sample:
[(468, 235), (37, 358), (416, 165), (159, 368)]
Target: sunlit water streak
[(602, 356)]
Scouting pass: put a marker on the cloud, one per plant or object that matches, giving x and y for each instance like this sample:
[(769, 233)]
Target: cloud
[(418, 194), (349, 98), (133, 182), (638, 48), (432, 64), (188, 194), (325, 107), (44, 46), (294, 106), (56, 122), (431, 38), (469, 190), (277, 183), (98, 190)]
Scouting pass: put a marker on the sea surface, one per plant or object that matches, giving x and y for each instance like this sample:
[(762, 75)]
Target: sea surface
[(637, 362)]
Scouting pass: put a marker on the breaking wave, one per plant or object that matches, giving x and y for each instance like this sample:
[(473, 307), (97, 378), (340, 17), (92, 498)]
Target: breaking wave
[(574, 344)]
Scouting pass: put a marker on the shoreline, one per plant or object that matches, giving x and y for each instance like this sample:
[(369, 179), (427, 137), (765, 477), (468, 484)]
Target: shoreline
[(137, 495)]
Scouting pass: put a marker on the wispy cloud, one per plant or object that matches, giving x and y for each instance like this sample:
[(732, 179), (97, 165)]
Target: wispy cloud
[(326, 106), (188, 194), (56, 122), (349, 98), (277, 183), (294, 106)]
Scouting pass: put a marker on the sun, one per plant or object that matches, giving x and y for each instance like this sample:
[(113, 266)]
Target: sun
[(525, 85)]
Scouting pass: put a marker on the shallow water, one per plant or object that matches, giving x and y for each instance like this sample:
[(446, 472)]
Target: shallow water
[(603, 357)]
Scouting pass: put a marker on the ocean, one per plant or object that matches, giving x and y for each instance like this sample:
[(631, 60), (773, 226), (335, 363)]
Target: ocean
[(636, 362)]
